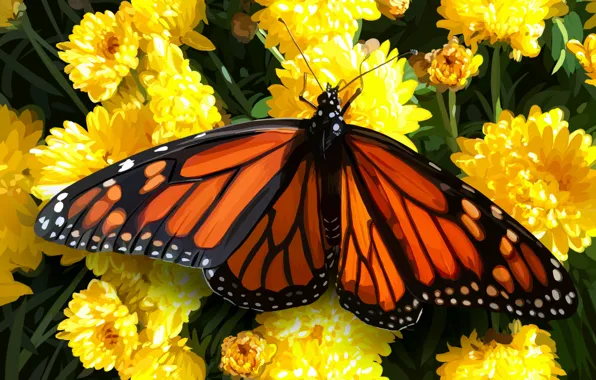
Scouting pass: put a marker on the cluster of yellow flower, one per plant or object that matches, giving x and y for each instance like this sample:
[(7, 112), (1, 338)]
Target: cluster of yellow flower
[(131, 317)]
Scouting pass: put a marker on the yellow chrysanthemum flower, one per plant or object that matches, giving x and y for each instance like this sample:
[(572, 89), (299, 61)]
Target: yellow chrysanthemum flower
[(323, 340), (180, 103), (393, 9), (591, 7), (382, 106), (245, 354), (167, 359), (73, 153), (129, 275), (102, 50), (539, 172), (586, 55), (99, 328), (19, 246), (173, 20), (9, 10), (529, 355), (311, 21), (448, 68), (518, 23), (174, 292)]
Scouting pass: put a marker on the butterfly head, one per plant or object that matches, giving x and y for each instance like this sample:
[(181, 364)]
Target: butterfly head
[(327, 124)]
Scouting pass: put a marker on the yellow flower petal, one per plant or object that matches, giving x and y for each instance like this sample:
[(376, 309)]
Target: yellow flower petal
[(311, 22), (517, 23), (100, 52)]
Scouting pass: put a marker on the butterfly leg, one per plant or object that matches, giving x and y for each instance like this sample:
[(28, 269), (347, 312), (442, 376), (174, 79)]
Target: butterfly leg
[(302, 98)]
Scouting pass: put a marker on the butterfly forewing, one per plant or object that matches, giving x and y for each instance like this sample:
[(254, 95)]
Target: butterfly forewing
[(451, 244), (192, 201)]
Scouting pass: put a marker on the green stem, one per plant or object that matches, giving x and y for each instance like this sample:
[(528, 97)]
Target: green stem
[(33, 39), (48, 10), (232, 85), (140, 86), (495, 82), (263, 37), (453, 120), (447, 123)]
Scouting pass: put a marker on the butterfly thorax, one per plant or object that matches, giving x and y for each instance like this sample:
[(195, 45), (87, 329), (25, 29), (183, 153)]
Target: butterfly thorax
[(327, 125)]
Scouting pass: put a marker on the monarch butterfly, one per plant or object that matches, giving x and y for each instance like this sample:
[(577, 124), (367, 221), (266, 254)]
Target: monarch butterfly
[(273, 210)]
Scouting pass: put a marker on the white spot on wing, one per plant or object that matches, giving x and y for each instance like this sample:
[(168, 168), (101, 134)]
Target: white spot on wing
[(60, 221), (126, 165), (200, 135), (432, 164), (62, 196), (58, 207), (161, 149)]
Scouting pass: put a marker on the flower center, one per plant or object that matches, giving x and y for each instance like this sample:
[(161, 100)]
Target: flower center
[(109, 335), (112, 45)]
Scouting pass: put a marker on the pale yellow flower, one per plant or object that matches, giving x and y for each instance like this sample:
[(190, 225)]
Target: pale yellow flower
[(540, 173), (586, 55), (173, 20), (129, 275), (128, 95), (99, 328), (518, 23), (383, 104), (393, 8), (19, 246), (448, 68), (311, 21), (245, 354), (9, 10), (181, 105), (591, 7), (174, 292), (166, 359), (324, 341), (73, 153), (102, 50), (529, 355)]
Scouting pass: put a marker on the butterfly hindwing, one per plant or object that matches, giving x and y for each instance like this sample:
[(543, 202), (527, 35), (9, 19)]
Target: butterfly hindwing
[(282, 263), (192, 201), (369, 283), (451, 245)]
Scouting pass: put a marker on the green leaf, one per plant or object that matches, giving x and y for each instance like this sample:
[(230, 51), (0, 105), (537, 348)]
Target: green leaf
[(260, 109), (70, 368), (48, 370), (575, 29), (560, 61), (216, 319), (40, 334), (11, 369), (434, 334)]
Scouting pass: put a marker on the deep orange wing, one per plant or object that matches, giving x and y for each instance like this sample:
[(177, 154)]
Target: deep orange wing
[(369, 282), (192, 201), (282, 263), (450, 245)]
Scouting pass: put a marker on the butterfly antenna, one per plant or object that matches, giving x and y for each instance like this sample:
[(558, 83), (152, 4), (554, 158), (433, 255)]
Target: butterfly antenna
[(413, 52), (301, 52)]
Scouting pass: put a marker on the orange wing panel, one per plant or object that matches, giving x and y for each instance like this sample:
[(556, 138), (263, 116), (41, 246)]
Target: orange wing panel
[(234, 153)]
